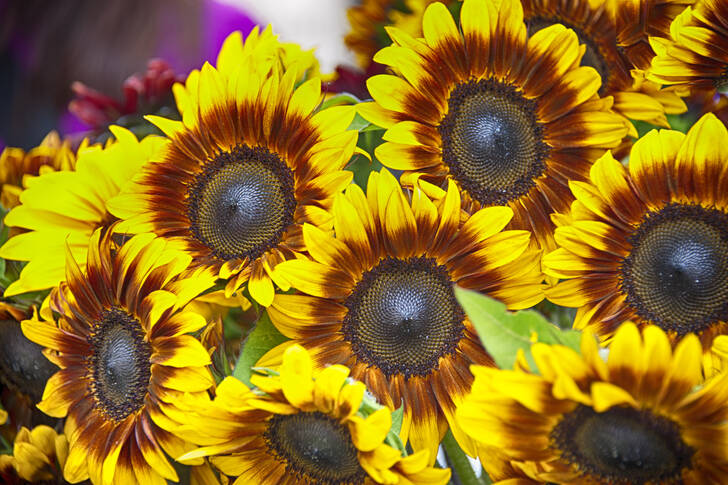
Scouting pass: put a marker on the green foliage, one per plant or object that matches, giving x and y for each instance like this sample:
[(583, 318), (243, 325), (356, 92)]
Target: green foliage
[(503, 333), (340, 100), (392, 438), (397, 416), (682, 122), (263, 338), (369, 139), (359, 123)]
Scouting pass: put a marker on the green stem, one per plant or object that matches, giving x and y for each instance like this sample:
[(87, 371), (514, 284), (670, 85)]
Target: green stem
[(458, 461), (6, 447), (183, 472)]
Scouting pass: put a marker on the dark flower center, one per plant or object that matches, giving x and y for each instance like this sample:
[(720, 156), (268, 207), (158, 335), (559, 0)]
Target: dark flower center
[(315, 449), (622, 445), (677, 272), (119, 364), (23, 367), (403, 316), (593, 56), (492, 142), (242, 202)]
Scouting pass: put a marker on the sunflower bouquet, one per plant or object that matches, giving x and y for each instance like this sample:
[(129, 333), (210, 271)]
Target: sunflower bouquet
[(505, 261)]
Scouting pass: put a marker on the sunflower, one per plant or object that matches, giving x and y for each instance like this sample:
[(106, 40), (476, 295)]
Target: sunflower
[(650, 243), (122, 345), (643, 416), (369, 17), (260, 52), (597, 24), (378, 298), (298, 428), (38, 456), (66, 207), (510, 118), (637, 20), (695, 57), (52, 154), (263, 51), (245, 169)]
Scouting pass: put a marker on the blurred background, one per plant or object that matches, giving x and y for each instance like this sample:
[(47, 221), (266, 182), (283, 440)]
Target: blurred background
[(46, 46)]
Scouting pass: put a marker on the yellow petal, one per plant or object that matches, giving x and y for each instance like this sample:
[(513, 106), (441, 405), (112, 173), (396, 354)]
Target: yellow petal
[(297, 377), (369, 433)]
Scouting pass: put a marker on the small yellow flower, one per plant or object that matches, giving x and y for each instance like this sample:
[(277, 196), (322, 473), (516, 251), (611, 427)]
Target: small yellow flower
[(298, 428), (642, 415)]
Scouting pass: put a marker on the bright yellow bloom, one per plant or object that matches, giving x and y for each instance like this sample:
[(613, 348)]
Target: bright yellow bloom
[(298, 428), (252, 160), (637, 20), (649, 243), (38, 455), (52, 154), (62, 209), (640, 415), (369, 17), (510, 117), (378, 297), (695, 57), (121, 341)]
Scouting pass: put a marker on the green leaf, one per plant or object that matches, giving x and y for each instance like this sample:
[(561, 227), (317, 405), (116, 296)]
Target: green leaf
[(503, 333), (392, 438), (358, 123), (397, 416), (340, 99), (682, 122), (263, 338)]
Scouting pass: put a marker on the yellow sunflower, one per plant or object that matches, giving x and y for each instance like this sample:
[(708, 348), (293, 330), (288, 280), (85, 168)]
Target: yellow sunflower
[(597, 24), (252, 162), (378, 298), (369, 17), (52, 154), (650, 243), (641, 415), (260, 52), (122, 345), (38, 457), (299, 428), (510, 118), (637, 20), (695, 57), (59, 209)]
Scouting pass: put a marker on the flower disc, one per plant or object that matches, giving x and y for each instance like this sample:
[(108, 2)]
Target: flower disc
[(120, 364), (315, 447), (677, 272), (623, 445), (403, 316), (242, 203), (492, 142)]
